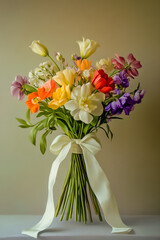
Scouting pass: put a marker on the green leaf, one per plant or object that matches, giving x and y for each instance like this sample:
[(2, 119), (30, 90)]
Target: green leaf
[(63, 126), (22, 121), (94, 121), (28, 116), (29, 88), (33, 135), (24, 126), (86, 128), (105, 131), (43, 142)]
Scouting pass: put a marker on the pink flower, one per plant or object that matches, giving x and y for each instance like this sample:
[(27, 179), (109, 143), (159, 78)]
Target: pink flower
[(134, 65), (118, 62), (17, 87), (131, 64)]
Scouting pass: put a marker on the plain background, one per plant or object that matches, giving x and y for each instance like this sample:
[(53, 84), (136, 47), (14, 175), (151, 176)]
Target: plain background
[(131, 161)]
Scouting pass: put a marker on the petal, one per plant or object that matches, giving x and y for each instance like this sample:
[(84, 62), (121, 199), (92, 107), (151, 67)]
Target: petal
[(134, 72), (71, 105), (86, 90), (99, 110), (76, 91), (85, 117), (136, 64), (131, 58)]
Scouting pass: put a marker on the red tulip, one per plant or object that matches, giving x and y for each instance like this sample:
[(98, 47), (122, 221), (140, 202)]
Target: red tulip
[(102, 82)]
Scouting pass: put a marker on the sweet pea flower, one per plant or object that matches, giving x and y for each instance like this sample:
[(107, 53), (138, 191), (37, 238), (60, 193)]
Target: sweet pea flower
[(121, 79), (65, 77), (125, 103), (87, 47), (102, 82), (84, 103), (39, 48), (139, 94), (60, 97), (17, 87)]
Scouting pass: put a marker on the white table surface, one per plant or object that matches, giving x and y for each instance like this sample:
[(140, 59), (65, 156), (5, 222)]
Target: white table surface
[(145, 228)]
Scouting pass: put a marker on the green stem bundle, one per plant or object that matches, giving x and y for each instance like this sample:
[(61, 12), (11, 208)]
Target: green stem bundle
[(75, 193)]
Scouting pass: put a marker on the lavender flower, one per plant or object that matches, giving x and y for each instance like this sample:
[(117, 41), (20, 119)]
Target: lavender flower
[(17, 87), (121, 79), (125, 103), (137, 98)]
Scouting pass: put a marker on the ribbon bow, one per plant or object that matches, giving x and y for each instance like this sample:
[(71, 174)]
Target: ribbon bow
[(89, 146)]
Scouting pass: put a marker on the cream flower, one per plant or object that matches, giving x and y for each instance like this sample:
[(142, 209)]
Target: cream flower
[(65, 77), (87, 47), (39, 48), (104, 64), (83, 103)]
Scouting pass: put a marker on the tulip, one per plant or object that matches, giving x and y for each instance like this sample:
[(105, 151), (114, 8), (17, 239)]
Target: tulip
[(87, 47), (106, 65), (102, 82), (83, 64), (60, 97), (39, 48), (65, 77)]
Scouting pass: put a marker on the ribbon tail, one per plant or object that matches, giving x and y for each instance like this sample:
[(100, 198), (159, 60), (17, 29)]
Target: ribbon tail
[(102, 189), (48, 216)]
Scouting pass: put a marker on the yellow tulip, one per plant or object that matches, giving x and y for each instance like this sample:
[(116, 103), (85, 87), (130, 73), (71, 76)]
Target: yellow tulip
[(60, 97), (87, 47), (65, 77), (39, 48), (105, 64)]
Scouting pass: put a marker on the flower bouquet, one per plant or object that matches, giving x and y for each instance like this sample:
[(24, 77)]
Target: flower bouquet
[(80, 98)]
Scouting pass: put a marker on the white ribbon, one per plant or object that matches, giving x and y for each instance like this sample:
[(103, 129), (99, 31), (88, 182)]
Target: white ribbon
[(89, 146)]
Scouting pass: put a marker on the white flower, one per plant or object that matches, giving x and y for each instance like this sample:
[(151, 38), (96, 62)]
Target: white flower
[(39, 48), (41, 74), (87, 47), (84, 103)]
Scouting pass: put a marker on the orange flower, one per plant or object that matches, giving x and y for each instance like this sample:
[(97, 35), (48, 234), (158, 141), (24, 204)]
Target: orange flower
[(33, 102), (47, 89), (36, 97), (83, 64)]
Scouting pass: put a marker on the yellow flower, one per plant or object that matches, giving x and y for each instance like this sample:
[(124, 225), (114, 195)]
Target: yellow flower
[(65, 77), (60, 97), (39, 48), (105, 64), (87, 47), (83, 64)]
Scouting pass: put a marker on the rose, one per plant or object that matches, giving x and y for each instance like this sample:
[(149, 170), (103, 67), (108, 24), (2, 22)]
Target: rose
[(102, 82)]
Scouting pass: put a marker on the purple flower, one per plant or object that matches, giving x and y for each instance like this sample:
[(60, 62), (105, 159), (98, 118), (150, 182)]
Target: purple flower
[(125, 103), (17, 87), (138, 96), (121, 79)]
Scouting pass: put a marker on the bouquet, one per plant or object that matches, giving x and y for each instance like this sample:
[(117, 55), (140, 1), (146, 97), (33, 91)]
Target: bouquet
[(80, 98)]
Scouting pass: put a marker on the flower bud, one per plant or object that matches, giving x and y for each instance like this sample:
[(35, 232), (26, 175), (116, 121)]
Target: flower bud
[(39, 48)]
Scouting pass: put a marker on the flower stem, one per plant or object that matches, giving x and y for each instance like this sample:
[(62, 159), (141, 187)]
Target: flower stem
[(54, 62)]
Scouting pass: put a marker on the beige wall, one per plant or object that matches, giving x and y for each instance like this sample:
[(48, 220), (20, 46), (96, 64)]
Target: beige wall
[(131, 160)]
